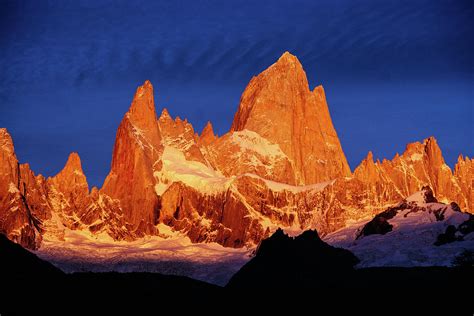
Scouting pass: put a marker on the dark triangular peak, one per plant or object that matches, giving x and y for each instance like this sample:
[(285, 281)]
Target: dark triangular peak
[(305, 260)]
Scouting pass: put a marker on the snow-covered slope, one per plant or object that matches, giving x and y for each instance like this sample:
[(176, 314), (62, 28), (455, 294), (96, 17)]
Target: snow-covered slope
[(419, 231), (170, 253)]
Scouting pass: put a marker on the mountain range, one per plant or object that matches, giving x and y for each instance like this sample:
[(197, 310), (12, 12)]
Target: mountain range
[(281, 165)]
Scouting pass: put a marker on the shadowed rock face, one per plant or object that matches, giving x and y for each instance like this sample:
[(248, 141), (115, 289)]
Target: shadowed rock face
[(305, 261), (266, 172), (421, 202), (18, 263), (454, 233), (380, 224)]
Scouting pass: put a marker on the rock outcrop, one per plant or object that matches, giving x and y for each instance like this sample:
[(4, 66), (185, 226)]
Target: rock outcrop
[(207, 135)]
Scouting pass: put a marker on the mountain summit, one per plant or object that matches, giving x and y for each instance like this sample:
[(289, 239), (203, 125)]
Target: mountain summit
[(137, 147), (278, 105)]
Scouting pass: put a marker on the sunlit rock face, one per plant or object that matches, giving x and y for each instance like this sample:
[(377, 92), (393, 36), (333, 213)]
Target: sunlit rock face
[(421, 164), (280, 165), (136, 151), (23, 203), (464, 175), (278, 105)]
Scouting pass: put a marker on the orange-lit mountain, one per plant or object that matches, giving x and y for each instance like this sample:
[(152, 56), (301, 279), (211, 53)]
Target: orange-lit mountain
[(280, 165)]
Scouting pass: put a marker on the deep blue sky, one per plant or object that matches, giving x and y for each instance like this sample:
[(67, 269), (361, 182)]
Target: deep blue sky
[(394, 71)]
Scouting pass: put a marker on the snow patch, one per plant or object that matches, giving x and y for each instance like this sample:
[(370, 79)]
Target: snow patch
[(417, 197), (251, 141), (81, 251), (78, 172), (411, 241), (416, 157), (12, 188), (175, 168)]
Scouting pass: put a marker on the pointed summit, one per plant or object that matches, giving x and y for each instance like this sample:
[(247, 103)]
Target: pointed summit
[(283, 84), (278, 105), (433, 152), (143, 103), (6, 142), (367, 171), (207, 135), (8, 163), (289, 60), (73, 165), (71, 177), (370, 156), (208, 129), (137, 147), (74, 162), (319, 93), (464, 173), (428, 151), (142, 114), (165, 115)]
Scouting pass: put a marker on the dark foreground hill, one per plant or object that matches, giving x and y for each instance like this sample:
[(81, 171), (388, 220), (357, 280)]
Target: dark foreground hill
[(285, 273), (30, 285), (307, 265)]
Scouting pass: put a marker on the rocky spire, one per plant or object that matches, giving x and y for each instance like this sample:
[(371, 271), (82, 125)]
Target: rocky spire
[(207, 135), (142, 114), (165, 115), (137, 148), (278, 105), (464, 174), (464, 165), (8, 160), (6, 143), (367, 171), (71, 178), (433, 152)]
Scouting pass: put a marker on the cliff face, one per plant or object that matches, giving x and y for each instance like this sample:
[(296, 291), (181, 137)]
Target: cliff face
[(137, 148), (464, 174), (22, 197), (278, 105), (280, 165)]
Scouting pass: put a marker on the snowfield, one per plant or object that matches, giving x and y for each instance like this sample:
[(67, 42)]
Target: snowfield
[(411, 241), (415, 227), (174, 254)]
